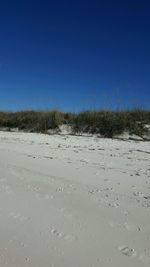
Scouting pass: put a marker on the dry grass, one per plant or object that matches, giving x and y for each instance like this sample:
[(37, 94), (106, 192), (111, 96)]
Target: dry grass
[(106, 123)]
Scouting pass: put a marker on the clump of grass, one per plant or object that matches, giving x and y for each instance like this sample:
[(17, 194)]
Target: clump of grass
[(33, 121), (104, 123)]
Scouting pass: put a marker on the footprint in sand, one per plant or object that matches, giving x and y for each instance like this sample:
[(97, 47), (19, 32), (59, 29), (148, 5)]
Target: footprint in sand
[(62, 236), (113, 205), (131, 227), (126, 251), (93, 191), (84, 161), (27, 259), (60, 189)]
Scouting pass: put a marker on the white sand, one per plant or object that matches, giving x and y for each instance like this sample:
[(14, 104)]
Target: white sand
[(73, 201)]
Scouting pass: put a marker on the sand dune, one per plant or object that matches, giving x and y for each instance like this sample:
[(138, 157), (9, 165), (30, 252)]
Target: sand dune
[(69, 201)]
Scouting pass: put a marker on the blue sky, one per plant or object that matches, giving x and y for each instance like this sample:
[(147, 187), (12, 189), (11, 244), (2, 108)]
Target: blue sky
[(74, 55)]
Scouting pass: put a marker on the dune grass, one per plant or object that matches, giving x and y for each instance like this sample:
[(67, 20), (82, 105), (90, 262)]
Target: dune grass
[(106, 123)]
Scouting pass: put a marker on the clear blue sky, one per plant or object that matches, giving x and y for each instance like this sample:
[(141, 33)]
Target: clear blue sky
[(74, 55)]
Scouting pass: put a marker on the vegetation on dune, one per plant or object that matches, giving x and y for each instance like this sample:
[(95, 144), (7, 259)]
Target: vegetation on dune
[(108, 123), (105, 123)]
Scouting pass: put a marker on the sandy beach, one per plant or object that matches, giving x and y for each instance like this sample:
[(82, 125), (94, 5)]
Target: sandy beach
[(68, 201)]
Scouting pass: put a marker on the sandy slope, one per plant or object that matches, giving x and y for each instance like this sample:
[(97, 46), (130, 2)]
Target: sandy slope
[(73, 201)]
